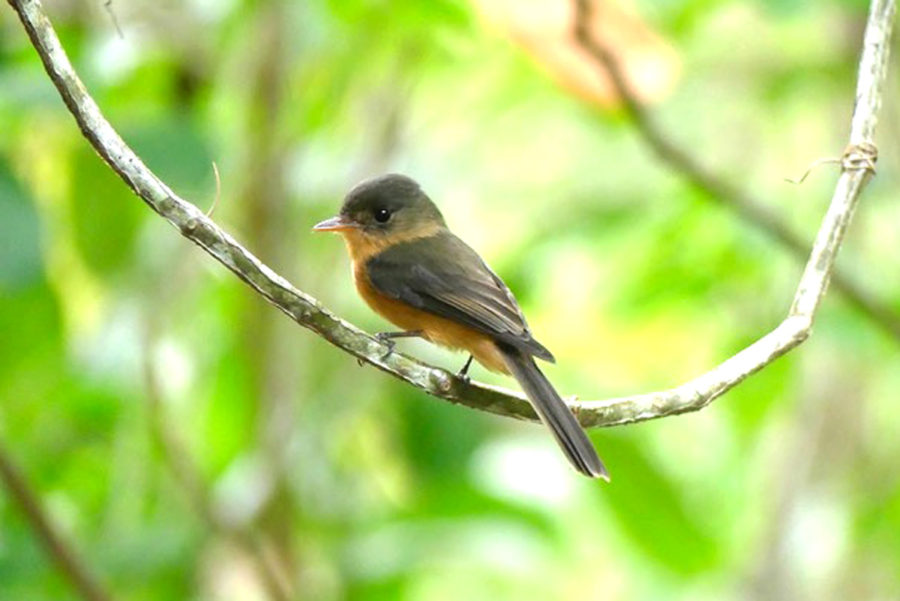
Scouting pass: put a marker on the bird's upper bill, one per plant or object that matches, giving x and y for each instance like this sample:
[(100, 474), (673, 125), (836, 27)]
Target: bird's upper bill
[(335, 224)]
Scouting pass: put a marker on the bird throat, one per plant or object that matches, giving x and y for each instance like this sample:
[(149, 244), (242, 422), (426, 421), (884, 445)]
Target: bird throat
[(362, 245)]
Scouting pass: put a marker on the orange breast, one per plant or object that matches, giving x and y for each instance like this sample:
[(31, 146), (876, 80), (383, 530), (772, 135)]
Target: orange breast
[(435, 329)]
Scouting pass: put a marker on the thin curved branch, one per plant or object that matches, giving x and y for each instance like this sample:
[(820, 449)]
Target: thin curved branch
[(66, 557), (308, 312), (716, 187)]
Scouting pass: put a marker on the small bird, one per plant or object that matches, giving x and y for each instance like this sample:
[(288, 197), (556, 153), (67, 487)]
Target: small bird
[(417, 274)]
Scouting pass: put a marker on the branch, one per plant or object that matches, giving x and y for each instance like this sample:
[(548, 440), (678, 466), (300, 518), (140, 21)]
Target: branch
[(308, 312), (716, 187), (66, 558)]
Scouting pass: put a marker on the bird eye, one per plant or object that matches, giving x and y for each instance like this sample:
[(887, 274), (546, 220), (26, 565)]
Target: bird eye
[(382, 215)]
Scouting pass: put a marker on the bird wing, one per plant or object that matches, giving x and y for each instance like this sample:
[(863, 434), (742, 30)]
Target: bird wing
[(442, 275)]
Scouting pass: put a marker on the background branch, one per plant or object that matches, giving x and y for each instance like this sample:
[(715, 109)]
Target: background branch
[(308, 312), (184, 470), (66, 557), (716, 187)]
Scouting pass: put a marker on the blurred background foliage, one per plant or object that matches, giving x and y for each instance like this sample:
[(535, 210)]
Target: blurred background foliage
[(193, 443)]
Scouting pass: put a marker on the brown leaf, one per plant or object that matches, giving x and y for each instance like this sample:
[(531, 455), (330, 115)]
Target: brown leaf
[(543, 28)]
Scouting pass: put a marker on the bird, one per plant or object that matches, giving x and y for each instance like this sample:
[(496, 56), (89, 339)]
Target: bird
[(413, 271)]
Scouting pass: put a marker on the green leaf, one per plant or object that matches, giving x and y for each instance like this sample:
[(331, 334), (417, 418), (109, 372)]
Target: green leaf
[(648, 507), (105, 213), (21, 263)]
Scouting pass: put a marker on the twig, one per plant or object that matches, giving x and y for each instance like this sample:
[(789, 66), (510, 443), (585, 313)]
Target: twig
[(66, 557), (716, 187), (107, 6), (809, 169), (215, 201), (308, 312)]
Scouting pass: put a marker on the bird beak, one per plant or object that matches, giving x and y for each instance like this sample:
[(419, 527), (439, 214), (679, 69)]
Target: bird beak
[(335, 224)]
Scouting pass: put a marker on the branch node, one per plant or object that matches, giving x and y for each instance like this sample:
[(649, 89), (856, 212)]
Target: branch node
[(862, 156), (190, 225), (441, 380), (165, 204)]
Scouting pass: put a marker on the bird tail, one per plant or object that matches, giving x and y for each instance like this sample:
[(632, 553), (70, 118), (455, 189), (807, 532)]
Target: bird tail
[(554, 413)]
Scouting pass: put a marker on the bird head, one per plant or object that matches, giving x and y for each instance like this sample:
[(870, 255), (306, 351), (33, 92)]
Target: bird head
[(390, 207)]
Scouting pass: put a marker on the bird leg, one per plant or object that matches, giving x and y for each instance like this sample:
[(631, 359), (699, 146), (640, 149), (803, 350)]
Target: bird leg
[(387, 338), (464, 372)]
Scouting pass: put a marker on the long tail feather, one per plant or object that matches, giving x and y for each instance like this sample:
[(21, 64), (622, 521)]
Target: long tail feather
[(554, 413)]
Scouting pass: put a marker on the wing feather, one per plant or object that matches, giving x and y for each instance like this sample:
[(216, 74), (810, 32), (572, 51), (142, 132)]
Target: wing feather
[(463, 290)]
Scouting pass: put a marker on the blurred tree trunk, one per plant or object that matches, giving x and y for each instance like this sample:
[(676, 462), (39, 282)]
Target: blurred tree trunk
[(269, 352)]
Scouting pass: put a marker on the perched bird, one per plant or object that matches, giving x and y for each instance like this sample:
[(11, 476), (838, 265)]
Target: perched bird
[(414, 272)]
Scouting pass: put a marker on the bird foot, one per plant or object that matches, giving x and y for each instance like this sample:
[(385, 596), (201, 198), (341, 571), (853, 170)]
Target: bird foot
[(386, 339), (463, 374)]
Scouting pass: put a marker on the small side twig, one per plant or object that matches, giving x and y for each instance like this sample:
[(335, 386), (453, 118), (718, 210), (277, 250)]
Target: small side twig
[(851, 159), (810, 168), (215, 202), (108, 7)]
